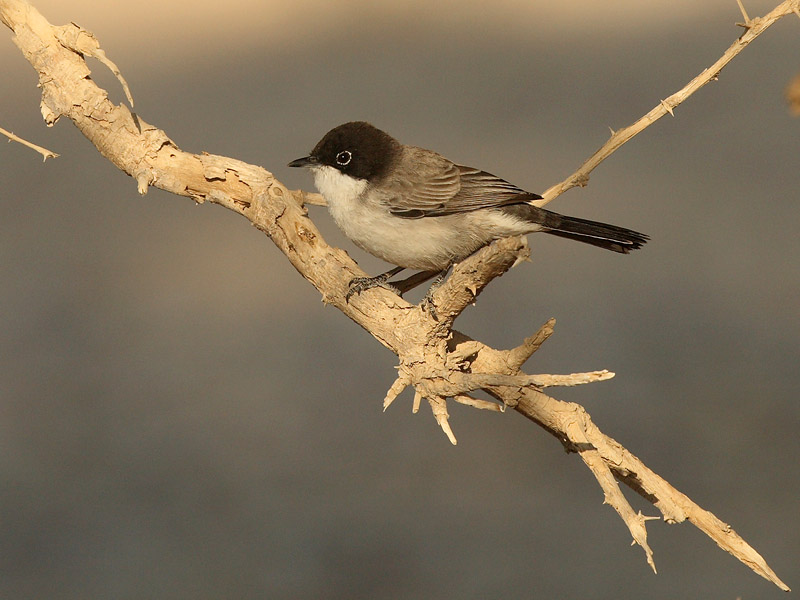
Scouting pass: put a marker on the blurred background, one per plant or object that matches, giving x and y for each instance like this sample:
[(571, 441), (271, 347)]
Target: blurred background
[(182, 417)]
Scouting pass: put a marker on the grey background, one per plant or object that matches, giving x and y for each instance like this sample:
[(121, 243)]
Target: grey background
[(183, 418)]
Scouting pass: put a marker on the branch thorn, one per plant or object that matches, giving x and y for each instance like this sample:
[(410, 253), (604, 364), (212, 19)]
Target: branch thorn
[(142, 183), (439, 408), (398, 386)]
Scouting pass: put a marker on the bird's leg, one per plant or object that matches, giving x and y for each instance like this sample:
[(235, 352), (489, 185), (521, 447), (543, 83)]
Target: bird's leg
[(409, 283), (427, 301), (362, 284)]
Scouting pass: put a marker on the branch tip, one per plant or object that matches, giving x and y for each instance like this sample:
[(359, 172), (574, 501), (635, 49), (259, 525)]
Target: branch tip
[(516, 357), (142, 183), (83, 42), (15, 138), (573, 379), (439, 409), (416, 403), (397, 387), (646, 518)]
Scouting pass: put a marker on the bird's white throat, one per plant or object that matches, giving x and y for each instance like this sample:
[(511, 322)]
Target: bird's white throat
[(340, 190), (359, 220)]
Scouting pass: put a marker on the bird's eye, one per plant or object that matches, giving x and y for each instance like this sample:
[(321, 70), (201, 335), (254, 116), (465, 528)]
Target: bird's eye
[(343, 158)]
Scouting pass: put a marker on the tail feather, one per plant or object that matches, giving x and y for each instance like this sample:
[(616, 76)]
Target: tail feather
[(603, 235)]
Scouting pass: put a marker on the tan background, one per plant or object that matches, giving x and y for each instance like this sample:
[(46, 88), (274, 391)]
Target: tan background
[(183, 418)]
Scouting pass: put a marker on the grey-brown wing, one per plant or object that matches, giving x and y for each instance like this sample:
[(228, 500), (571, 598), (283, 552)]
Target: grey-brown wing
[(480, 189), (429, 185), (422, 181)]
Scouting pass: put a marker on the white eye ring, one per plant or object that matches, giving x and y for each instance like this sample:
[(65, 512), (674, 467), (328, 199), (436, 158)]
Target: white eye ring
[(343, 158)]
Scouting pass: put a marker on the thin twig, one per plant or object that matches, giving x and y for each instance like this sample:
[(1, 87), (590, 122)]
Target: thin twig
[(581, 177), (43, 151), (747, 19), (518, 356), (77, 39)]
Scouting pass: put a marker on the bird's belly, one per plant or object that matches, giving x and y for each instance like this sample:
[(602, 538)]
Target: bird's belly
[(427, 243), (414, 243)]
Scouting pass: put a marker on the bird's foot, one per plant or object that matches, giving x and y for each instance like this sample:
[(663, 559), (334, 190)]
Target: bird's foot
[(427, 304), (362, 284)]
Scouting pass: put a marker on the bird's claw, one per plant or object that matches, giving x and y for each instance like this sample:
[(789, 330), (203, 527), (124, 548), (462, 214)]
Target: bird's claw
[(362, 284), (427, 305)]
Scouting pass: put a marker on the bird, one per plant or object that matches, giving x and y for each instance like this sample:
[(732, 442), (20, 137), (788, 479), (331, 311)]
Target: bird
[(416, 209)]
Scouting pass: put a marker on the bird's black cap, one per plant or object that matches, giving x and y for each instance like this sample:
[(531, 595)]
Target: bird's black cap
[(357, 149)]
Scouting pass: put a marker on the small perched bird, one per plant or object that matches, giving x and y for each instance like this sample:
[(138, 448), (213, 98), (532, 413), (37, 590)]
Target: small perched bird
[(418, 210)]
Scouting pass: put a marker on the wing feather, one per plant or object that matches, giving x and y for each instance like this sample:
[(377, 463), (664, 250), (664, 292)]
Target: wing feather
[(425, 184)]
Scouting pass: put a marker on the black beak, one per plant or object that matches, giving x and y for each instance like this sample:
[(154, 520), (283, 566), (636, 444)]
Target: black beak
[(306, 161)]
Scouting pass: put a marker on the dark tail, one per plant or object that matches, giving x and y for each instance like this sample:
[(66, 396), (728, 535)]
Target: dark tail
[(602, 235)]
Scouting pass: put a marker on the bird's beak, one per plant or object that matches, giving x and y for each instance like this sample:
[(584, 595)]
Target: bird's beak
[(306, 161)]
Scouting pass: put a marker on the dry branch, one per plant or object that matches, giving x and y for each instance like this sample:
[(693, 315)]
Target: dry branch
[(15, 138), (437, 361), (753, 28)]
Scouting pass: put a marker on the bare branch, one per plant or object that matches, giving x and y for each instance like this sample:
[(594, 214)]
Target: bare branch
[(472, 275), (43, 151), (437, 361), (400, 384), (613, 494), (309, 198), (479, 404), (516, 357), (755, 27), (439, 408), (584, 437), (83, 42), (571, 379), (747, 19)]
